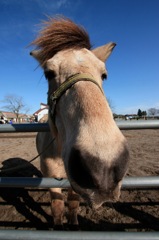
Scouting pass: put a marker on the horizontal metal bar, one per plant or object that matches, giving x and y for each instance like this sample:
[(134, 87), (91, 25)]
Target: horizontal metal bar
[(85, 235), (138, 124), (44, 127), (24, 127), (150, 182), (33, 182)]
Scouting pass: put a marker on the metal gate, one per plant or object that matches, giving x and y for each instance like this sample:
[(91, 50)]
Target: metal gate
[(151, 182)]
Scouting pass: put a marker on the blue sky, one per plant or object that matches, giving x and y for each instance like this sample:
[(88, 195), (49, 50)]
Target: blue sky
[(133, 68)]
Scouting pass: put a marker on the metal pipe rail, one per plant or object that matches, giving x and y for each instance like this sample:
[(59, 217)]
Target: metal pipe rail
[(137, 124), (44, 127), (142, 183), (63, 235), (24, 127)]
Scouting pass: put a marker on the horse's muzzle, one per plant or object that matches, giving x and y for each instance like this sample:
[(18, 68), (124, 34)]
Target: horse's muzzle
[(94, 179)]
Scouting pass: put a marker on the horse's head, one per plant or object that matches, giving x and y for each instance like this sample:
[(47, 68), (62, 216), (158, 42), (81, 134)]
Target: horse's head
[(93, 149)]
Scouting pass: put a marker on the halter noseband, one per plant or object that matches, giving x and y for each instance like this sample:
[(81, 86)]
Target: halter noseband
[(52, 99)]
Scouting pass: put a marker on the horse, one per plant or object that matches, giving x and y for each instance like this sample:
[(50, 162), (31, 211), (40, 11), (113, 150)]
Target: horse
[(84, 143)]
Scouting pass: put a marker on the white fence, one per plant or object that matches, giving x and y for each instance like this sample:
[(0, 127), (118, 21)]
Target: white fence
[(128, 183)]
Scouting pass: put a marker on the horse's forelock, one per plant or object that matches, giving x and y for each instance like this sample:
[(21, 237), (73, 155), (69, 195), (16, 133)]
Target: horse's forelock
[(60, 34)]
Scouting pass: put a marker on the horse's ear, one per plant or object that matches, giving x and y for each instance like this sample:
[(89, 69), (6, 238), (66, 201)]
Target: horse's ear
[(104, 51), (37, 55)]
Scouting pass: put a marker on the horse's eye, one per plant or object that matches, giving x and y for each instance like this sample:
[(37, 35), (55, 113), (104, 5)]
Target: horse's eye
[(49, 74), (104, 76)]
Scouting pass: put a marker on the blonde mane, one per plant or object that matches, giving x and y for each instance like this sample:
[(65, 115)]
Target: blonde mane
[(59, 34)]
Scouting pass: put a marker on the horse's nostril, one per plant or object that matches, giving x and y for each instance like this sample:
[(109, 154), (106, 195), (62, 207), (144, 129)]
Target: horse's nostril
[(78, 170)]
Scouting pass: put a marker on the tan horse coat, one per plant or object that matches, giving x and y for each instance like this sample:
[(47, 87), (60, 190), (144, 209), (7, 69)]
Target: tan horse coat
[(89, 149)]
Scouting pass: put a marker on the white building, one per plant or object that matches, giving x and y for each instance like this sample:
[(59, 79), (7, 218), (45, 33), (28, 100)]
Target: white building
[(43, 111)]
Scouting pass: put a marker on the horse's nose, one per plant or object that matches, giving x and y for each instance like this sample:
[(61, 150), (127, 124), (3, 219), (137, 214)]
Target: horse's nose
[(91, 172)]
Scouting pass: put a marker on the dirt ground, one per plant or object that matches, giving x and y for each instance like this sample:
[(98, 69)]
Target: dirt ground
[(30, 208)]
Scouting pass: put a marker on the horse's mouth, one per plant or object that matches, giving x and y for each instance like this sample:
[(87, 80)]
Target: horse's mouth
[(97, 200), (95, 197)]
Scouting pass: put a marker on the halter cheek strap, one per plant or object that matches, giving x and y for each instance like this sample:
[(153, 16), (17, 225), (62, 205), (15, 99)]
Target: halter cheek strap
[(52, 99)]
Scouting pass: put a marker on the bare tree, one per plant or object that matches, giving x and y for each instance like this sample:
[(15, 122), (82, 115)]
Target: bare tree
[(15, 104), (152, 111), (111, 105)]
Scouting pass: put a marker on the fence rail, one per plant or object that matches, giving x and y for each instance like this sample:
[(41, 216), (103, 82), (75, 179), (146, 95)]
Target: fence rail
[(57, 235), (142, 183), (44, 127), (151, 182)]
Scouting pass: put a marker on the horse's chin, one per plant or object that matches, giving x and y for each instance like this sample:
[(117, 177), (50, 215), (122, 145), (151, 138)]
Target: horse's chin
[(96, 198), (97, 201), (95, 205)]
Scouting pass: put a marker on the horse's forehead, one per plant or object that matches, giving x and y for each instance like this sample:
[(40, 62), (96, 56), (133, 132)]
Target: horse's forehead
[(83, 55), (75, 57)]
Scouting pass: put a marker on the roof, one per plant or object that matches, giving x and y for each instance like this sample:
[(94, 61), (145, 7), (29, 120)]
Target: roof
[(10, 115), (40, 110), (43, 104)]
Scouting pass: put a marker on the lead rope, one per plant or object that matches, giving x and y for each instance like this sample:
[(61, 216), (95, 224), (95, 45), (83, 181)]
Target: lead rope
[(10, 170)]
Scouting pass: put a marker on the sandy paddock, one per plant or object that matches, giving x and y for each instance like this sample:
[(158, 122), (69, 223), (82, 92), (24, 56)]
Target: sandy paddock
[(30, 209)]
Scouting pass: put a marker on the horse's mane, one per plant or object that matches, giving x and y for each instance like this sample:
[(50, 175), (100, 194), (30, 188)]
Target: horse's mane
[(58, 34)]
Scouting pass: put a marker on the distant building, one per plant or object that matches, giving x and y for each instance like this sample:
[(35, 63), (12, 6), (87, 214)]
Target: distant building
[(131, 116), (10, 116), (43, 111)]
